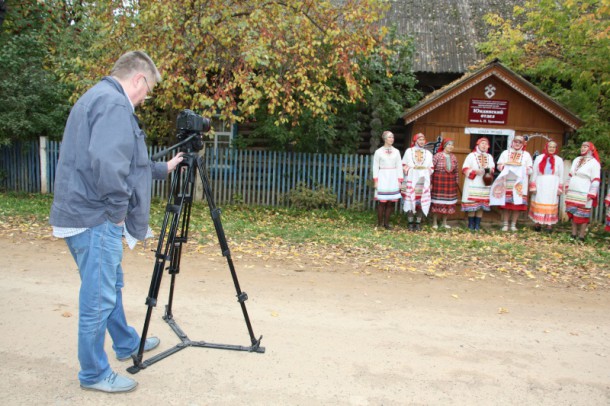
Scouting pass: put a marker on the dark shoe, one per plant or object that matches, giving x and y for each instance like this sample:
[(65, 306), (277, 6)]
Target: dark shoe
[(572, 236), (548, 230), (387, 226), (417, 227), (411, 227), (150, 344), (113, 383), (537, 228)]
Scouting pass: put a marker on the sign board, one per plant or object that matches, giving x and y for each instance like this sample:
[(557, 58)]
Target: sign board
[(489, 131), (488, 111)]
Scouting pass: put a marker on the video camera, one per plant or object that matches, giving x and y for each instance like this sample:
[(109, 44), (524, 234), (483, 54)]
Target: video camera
[(191, 125), (190, 129)]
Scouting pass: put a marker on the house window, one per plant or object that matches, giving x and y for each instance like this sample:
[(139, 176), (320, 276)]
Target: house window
[(497, 145), (222, 136)]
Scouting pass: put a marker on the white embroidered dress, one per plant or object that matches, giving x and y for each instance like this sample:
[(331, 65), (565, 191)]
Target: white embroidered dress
[(584, 182), (546, 186), (476, 194), (510, 187), (418, 168), (387, 170)]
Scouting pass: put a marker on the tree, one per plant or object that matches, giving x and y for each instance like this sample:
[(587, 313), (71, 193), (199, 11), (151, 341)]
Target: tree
[(296, 58), (36, 37), (390, 89), (563, 47), (30, 97), (2, 12)]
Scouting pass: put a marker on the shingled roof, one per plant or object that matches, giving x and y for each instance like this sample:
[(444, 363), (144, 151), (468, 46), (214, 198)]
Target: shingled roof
[(446, 32)]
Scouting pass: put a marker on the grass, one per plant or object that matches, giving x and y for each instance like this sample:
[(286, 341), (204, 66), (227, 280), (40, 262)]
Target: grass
[(335, 236), (25, 205)]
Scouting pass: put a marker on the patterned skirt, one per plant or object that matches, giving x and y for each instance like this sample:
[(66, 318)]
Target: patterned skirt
[(475, 206), (578, 205), (544, 205), (475, 196), (444, 192), (579, 215), (509, 203)]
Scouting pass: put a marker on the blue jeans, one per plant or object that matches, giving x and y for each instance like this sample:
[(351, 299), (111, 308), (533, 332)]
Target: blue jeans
[(98, 253)]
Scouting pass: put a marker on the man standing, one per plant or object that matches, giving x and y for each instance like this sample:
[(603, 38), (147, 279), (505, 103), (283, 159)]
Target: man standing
[(102, 192)]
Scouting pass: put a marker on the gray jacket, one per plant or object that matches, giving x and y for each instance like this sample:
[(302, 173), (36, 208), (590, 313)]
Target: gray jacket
[(104, 172)]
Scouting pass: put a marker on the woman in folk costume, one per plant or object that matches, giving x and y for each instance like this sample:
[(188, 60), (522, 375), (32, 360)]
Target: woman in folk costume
[(478, 169), (583, 186), (444, 183), (546, 185), (387, 175), (417, 166), (509, 190)]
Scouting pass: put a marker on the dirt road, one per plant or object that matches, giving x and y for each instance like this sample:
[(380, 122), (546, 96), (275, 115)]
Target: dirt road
[(333, 337)]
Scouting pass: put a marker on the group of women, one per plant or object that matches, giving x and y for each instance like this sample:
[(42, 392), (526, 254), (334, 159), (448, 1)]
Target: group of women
[(428, 183)]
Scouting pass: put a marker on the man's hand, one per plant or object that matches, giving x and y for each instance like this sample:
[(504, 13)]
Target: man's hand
[(172, 163)]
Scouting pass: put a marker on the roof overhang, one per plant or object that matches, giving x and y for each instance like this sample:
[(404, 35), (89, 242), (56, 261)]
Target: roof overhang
[(512, 79)]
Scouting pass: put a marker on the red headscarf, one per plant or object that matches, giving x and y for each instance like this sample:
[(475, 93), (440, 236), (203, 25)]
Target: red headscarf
[(415, 138), (476, 147), (547, 157), (593, 150), (444, 144)]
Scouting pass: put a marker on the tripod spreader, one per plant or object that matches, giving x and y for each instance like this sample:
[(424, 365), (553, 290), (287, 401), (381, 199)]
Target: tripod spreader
[(174, 233)]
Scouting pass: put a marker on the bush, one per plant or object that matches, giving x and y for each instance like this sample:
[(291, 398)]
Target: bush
[(303, 197)]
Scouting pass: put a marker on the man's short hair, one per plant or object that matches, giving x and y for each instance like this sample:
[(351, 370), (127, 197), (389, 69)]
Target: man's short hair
[(133, 62)]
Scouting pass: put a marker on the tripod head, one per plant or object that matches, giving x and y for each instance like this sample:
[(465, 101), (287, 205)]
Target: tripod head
[(190, 129), (184, 145)]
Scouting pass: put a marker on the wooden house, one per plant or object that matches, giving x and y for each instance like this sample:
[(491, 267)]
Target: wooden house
[(494, 102)]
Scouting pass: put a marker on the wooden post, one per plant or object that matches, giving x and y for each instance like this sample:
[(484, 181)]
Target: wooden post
[(44, 176), (562, 214)]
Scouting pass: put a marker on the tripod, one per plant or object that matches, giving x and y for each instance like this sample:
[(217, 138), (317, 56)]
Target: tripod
[(174, 233)]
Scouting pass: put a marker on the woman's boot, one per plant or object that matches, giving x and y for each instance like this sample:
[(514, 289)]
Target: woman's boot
[(477, 223), (471, 222), (388, 213), (380, 213)]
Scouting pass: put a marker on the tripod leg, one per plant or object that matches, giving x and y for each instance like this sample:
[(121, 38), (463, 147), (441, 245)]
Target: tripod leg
[(184, 201), (224, 246), (167, 246)]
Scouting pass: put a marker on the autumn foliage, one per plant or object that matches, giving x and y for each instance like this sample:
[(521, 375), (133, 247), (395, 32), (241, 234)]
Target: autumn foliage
[(564, 48), (229, 57)]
